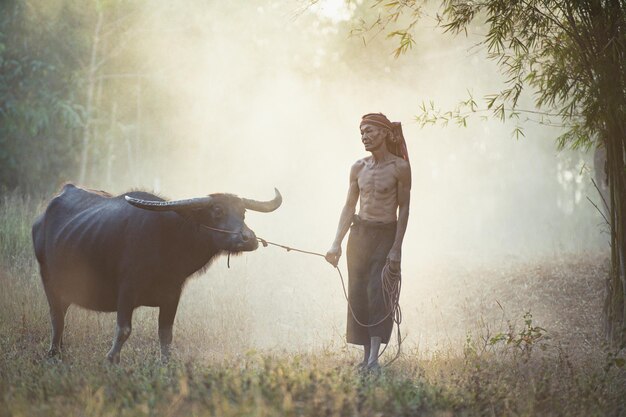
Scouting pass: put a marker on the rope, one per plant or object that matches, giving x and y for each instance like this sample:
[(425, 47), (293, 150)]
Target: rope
[(391, 285), (391, 282), (288, 248), (232, 232)]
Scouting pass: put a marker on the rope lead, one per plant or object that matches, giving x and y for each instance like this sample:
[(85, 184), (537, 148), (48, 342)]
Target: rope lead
[(391, 285)]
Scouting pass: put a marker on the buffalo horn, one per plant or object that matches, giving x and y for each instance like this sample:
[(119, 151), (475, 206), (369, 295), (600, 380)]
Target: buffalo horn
[(264, 206), (169, 205)]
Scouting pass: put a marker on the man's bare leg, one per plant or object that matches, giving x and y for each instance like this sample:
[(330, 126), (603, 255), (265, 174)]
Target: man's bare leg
[(372, 362), (366, 357)]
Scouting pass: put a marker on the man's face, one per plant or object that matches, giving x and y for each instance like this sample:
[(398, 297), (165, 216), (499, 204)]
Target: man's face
[(373, 137)]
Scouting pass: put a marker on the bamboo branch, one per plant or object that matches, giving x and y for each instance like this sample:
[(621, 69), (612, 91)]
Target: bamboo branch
[(601, 195), (599, 211)]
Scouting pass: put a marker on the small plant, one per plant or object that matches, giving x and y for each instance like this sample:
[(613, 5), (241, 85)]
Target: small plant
[(525, 340)]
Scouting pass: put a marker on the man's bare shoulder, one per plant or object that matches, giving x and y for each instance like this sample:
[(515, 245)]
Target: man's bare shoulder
[(359, 164), (362, 161), (402, 165)]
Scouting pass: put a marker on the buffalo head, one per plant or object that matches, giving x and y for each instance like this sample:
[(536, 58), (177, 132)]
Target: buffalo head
[(221, 215)]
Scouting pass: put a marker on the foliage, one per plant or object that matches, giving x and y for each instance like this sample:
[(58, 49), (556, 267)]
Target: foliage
[(552, 47), (70, 92), (525, 340), (40, 114), (572, 56), (16, 214)]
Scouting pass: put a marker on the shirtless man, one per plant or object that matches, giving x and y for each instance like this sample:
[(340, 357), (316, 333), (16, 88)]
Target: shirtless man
[(381, 183)]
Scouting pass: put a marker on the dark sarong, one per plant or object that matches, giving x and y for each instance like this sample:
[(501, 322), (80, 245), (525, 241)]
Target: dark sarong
[(368, 246)]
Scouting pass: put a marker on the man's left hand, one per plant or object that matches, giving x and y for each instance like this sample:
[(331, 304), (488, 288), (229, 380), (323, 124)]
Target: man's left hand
[(393, 259), (394, 266)]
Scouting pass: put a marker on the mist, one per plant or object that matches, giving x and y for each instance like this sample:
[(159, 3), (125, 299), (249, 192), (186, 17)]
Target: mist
[(257, 95)]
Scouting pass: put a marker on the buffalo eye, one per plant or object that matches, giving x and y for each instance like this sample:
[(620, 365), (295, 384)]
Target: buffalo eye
[(217, 211)]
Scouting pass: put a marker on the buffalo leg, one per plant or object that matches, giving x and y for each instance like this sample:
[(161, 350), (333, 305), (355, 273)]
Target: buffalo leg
[(122, 330), (58, 309), (167, 313)]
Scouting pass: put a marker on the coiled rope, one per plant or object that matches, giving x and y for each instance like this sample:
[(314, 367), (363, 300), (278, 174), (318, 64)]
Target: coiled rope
[(391, 285), (391, 282)]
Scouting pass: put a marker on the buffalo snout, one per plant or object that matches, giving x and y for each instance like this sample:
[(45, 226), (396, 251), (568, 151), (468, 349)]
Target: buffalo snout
[(247, 235), (248, 239)]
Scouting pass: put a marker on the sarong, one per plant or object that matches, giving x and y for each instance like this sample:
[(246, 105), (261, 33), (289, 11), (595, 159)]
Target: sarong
[(368, 247)]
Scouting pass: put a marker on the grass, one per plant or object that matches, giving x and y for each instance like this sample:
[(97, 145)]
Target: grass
[(512, 370)]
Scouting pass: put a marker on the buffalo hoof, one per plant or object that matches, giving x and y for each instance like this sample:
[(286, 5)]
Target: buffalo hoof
[(53, 352), (53, 356), (113, 359)]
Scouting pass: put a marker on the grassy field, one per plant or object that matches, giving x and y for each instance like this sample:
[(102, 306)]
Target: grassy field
[(513, 369)]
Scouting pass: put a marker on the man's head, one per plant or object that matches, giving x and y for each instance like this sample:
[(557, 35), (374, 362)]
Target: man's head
[(374, 137), (377, 131)]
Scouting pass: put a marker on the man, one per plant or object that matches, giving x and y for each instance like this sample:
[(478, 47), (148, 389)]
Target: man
[(381, 183)]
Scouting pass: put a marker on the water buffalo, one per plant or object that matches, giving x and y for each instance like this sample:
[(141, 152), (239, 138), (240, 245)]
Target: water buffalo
[(116, 253)]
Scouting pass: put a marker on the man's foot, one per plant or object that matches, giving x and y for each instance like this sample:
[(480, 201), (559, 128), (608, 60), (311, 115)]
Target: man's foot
[(361, 365), (373, 368)]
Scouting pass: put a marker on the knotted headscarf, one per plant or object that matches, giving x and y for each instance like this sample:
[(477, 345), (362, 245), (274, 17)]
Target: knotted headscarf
[(396, 143)]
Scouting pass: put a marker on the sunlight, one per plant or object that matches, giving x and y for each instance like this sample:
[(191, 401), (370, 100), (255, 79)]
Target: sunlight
[(335, 10)]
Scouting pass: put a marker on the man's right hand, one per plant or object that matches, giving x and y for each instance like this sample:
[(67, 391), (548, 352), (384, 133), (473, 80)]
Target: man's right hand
[(333, 255)]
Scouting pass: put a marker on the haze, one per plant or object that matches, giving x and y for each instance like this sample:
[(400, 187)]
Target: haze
[(259, 94)]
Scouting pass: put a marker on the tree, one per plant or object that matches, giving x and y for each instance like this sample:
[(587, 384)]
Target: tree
[(65, 65), (572, 55), (40, 116)]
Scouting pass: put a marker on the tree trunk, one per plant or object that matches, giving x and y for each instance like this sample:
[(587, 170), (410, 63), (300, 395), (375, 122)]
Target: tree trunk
[(110, 139), (617, 287), (607, 53), (621, 214), (91, 84)]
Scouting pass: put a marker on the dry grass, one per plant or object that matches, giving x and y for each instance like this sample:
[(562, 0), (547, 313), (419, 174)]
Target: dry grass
[(564, 293), (503, 367)]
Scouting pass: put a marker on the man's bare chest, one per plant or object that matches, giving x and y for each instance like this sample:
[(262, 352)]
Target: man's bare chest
[(378, 179)]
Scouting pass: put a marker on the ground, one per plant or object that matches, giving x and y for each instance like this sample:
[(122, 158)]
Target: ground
[(526, 340)]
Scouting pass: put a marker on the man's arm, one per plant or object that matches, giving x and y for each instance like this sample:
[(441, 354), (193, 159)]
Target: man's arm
[(404, 197), (345, 219)]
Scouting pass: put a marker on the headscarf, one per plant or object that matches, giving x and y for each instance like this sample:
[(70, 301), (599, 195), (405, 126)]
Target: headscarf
[(396, 144)]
